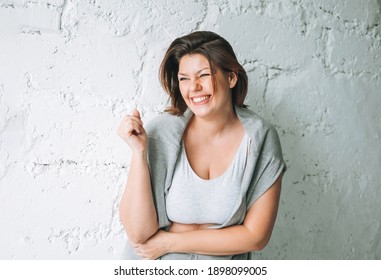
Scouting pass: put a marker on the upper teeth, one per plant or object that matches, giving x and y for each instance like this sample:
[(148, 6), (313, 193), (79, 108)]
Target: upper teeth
[(200, 99)]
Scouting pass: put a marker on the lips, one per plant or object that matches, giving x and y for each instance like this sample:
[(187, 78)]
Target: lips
[(200, 99)]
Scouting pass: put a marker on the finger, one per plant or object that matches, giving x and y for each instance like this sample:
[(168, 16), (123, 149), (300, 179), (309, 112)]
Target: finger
[(132, 120), (127, 122), (135, 245), (137, 120), (130, 128), (136, 113), (134, 128), (129, 118)]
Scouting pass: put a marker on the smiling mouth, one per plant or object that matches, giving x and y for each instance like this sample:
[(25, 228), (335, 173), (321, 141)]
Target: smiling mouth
[(200, 99)]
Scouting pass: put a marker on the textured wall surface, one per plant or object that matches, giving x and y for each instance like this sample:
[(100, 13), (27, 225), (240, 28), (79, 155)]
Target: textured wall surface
[(70, 69)]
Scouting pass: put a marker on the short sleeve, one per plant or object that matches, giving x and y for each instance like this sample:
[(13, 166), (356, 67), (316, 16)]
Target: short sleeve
[(269, 165)]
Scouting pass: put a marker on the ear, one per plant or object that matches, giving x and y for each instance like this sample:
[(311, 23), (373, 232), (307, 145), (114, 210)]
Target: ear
[(233, 79)]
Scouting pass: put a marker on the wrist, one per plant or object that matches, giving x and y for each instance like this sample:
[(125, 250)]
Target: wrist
[(139, 154), (171, 244)]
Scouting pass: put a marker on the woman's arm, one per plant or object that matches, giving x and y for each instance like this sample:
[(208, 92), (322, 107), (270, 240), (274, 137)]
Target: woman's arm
[(252, 235), (137, 211)]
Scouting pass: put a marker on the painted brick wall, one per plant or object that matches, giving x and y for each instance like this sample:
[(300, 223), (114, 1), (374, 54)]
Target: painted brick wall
[(70, 70)]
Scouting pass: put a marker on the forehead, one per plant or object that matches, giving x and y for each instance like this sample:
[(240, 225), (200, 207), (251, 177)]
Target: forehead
[(193, 63)]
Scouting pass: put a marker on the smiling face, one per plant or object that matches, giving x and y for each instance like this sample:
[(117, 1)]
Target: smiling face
[(197, 90)]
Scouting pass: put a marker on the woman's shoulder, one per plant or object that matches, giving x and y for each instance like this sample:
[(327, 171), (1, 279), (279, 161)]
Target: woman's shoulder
[(253, 122), (260, 130)]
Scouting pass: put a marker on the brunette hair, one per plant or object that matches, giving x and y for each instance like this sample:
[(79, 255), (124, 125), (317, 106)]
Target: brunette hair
[(216, 50)]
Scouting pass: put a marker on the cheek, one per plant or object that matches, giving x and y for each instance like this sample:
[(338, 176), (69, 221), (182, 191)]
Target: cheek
[(208, 86), (183, 90)]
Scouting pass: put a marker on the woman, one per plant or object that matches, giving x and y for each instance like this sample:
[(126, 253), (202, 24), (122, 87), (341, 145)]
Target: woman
[(205, 183)]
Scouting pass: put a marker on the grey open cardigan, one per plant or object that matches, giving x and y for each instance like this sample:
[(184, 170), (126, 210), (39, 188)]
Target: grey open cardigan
[(264, 162)]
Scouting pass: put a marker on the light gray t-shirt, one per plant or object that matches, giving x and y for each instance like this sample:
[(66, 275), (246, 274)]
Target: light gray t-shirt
[(193, 200)]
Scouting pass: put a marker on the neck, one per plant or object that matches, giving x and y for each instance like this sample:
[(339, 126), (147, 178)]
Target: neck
[(216, 125)]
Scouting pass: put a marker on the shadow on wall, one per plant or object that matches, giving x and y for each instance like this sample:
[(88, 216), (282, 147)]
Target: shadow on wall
[(305, 220), (328, 208)]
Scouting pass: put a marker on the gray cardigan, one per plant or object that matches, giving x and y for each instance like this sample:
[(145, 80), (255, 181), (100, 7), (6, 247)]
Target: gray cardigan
[(265, 161), (264, 165)]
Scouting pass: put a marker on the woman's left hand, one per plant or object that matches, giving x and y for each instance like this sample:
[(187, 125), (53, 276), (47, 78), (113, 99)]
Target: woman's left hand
[(154, 247)]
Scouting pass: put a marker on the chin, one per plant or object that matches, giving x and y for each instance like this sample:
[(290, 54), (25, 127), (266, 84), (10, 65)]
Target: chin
[(201, 112)]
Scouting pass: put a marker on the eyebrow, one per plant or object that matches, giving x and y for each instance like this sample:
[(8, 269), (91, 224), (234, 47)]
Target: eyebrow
[(196, 72)]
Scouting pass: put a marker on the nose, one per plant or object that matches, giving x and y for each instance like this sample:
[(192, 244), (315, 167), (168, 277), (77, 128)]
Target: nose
[(195, 85)]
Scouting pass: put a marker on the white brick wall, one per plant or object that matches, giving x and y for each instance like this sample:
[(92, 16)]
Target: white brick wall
[(70, 69)]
